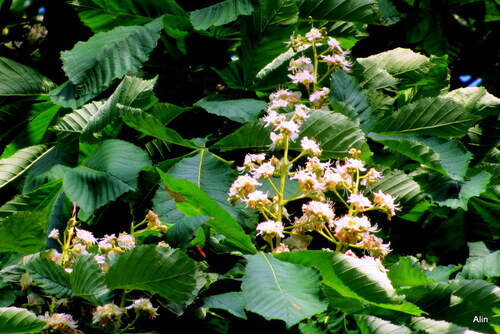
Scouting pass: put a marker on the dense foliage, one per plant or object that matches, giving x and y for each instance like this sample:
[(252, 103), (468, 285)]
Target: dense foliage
[(309, 166)]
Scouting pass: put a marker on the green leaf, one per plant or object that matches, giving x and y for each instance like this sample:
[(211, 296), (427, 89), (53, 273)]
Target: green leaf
[(345, 88), (151, 126), (87, 280), (20, 80), (476, 100), (15, 320), (407, 272), (233, 302), (220, 13), (488, 211), (166, 112), (280, 290), (338, 10), (432, 326), (437, 116), (95, 116), (23, 232), (102, 15), (481, 264), (93, 65), (192, 201), (168, 272), (445, 156), (50, 276), (110, 171), (14, 166), (263, 34), (241, 111), (250, 135), (374, 325)]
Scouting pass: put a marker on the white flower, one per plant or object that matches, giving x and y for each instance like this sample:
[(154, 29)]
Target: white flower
[(107, 312), (375, 246), (257, 199), (273, 118), (355, 164), (79, 249), (319, 209), (85, 237), (289, 128), (338, 61), (282, 248), (243, 185), (310, 146), (101, 259), (334, 45), (355, 224), (126, 241), (316, 166), (285, 94), (54, 234), (58, 322), (332, 179), (308, 181), (314, 35), (301, 64), (386, 201), (144, 304), (319, 95), (301, 112), (277, 140), (360, 202), (265, 170), (303, 77), (276, 104), (271, 227)]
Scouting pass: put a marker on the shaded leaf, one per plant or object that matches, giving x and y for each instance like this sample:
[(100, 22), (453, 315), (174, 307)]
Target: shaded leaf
[(482, 263), (15, 320), (291, 293), (233, 302), (23, 232), (338, 10), (168, 272), (220, 13), (241, 111), (20, 80), (51, 277)]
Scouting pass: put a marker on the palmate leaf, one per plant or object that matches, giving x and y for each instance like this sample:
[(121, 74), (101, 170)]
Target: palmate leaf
[(280, 290), (111, 170), (101, 15), (445, 156), (23, 232), (374, 325), (13, 167), (233, 302), (15, 320), (93, 65), (263, 34), (241, 111), (168, 272), (20, 80), (51, 277), (220, 13), (338, 10), (440, 117), (192, 202), (87, 281)]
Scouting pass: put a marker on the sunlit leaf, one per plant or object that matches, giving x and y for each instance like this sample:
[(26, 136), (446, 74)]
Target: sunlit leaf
[(87, 281), (51, 277), (15, 320)]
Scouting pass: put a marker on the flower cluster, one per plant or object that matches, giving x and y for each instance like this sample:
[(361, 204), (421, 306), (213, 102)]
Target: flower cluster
[(336, 195), (59, 323)]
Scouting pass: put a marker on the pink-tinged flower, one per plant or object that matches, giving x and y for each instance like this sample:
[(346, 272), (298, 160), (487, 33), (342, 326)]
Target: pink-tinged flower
[(282, 248), (276, 104), (301, 112), (257, 199), (265, 170), (314, 35), (85, 237), (252, 161), (319, 95), (309, 181), (334, 45), (375, 246), (107, 242), (320, 210), (59, 323), (310, 146), (361, 203), (273, 118), (144, 305), (332, 179), (277, 140), (301, 64), (289, 128), (107, 313), (126, 241), (303, 77), (101, 259), (54, 234), (386, 201), (285, 94), (338, 62), (243, 185), (79, 249), (270, 228)]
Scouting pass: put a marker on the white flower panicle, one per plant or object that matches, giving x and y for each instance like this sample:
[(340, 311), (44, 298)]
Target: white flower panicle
[(144, 305), (271, 227), (103, 315)]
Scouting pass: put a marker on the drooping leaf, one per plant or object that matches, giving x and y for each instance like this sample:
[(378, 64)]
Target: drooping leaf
[(168, 272), (233, 302), (101, 15), (192, 201), (16, 165), (407, 272), (93, 65), (374, 325), (151, 126), (87, 281), (263, 33), (241, 111), (20, 80), (51, 277), (23, 232), (111, 170), (280, 290), (220, 13), (446, 156), (438, 117), (338, 10), (15, 320)]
